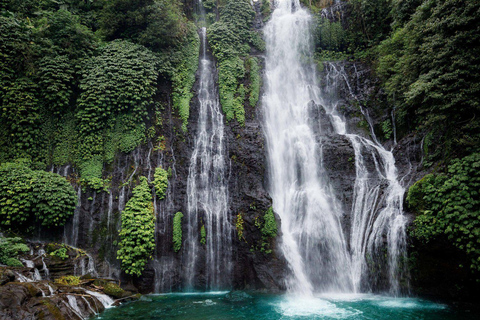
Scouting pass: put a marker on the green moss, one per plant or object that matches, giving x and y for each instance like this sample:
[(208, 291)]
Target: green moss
[(114, 290), (54, 310), (177, 231), (68, 281)]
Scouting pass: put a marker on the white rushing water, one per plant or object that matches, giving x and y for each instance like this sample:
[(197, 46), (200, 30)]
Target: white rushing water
[(323, 258), (207, 187)]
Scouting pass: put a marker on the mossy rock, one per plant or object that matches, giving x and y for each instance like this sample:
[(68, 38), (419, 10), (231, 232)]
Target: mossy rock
[(114, 290)]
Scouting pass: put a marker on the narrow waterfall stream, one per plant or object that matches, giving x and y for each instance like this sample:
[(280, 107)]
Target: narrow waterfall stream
[(208, 244), (323, 258)]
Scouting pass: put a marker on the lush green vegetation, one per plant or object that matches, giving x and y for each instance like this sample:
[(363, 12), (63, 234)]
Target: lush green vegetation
[(448, 206), (10, 248), (160, 182), (231, 39), (431, 69), (427, 56), (79, 78), (28, 197), (268, 227), (138, 230), (177, 231)]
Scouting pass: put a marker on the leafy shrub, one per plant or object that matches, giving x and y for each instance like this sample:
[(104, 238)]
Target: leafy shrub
[(177, 231), (138, 230), (160, 182), (28, 195), (10, 248), (60, 253), (448, 205), (269, 229)]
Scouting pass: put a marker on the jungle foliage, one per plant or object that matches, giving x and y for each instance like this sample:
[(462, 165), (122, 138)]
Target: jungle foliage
[(138, 230), (448, 206), (231, 39), (30, 197)]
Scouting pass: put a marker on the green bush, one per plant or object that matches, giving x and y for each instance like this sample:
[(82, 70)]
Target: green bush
[(177, 231), (269, 229), (10, 248), (28, 196), (448, 205), (60, 253), (160, 182), (138, 230)]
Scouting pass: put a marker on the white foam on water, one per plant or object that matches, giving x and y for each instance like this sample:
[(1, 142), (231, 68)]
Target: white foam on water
[(408, 303), (313, 308)]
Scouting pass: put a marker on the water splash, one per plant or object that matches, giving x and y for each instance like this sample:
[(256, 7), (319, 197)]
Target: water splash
[(321, 257)]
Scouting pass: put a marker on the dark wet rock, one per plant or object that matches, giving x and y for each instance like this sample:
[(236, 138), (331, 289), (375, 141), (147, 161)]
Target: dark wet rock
[(6, 275), (42, 300)]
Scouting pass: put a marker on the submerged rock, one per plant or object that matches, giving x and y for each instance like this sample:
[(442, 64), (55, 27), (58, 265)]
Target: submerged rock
[(237, 296)]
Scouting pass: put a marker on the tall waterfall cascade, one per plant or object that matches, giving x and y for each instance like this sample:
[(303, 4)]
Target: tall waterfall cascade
[(324, 253), (208, 244)]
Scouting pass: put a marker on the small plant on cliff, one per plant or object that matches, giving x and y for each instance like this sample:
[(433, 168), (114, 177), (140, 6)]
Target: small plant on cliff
[(10, 248), (160, 182), (177, 231), (203, 235), (268, 229), (240, 226), (138, 230)]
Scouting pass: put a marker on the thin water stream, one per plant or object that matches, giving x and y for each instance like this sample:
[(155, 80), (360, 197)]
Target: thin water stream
[(208, 244)]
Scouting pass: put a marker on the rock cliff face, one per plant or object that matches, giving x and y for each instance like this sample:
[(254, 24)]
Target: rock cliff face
[(95, 226)]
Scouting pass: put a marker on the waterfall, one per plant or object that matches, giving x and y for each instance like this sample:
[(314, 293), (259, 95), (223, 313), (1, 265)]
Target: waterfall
[(207, 188), (321, 257)]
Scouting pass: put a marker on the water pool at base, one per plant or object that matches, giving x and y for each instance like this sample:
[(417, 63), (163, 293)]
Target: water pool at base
[(220, 306)]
